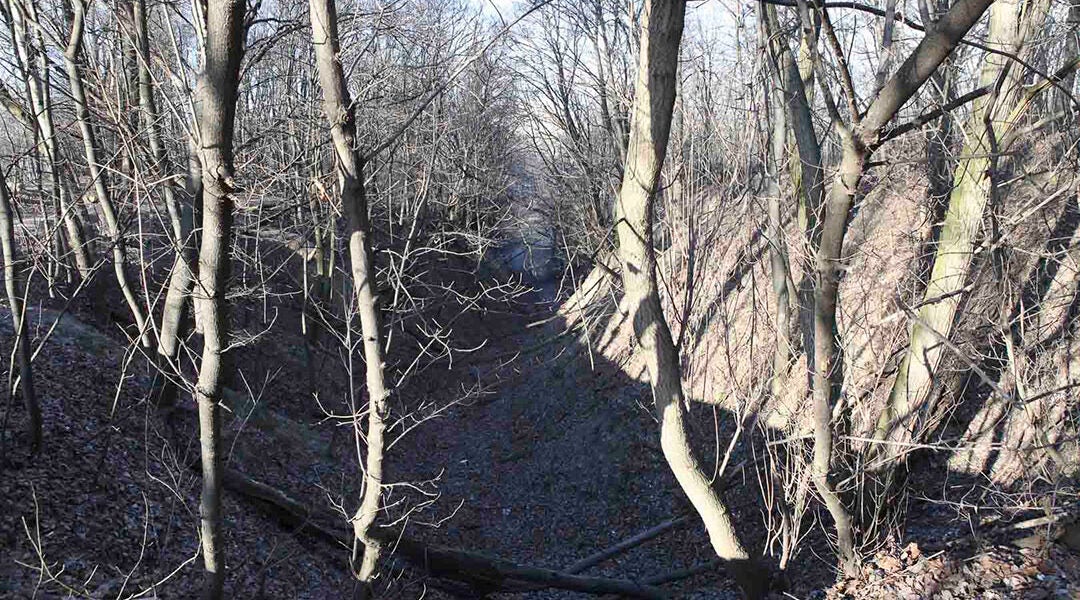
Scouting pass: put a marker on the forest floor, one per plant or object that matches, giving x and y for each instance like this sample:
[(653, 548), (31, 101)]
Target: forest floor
[(530, 449)]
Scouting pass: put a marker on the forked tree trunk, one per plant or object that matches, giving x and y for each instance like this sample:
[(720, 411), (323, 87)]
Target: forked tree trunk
[(18, 317), (340, 112), (858, 142), (818, 333), (97, 175), (654, 99), (215, 103), (1011, 21)]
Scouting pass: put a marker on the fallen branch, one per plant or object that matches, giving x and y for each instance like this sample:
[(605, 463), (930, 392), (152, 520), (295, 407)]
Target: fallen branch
[(640, 538), (481, 571), (626, 544), (686, 573)]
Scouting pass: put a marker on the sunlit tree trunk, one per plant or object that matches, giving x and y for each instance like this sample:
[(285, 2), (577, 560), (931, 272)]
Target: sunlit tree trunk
[(340, 112), (98, 177), (215, 104), (650, 127), (181, 216), (991, 117), (858, 141)]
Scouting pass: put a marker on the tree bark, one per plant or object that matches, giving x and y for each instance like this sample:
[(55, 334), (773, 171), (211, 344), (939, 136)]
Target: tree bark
[(857, 143), (794, 78), (181, 217), (215, 103), (33, 58), (654, 98), (18, 317), (97, 175), (341, 114), (778, 256), (160, 165), (905, 413), (791, 112)]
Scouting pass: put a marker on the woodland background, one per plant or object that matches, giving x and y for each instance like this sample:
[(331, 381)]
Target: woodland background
[(449, 298)]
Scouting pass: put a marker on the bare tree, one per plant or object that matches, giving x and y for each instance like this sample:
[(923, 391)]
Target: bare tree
[(1011, 22), (181, 213), (650, 126), (215, 103), (32, 56), (341, 114), (98, 178)]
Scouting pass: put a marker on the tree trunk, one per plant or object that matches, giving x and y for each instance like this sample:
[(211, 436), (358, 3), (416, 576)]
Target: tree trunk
[(32, 55), (97, 175), (215, 103), (1063, 103), (857, 144), (654, 98), (778, 256), (340, 112), (940, 132), (160, 166), (828, 357), (905, 414), (793, 78), (181, 218), (18, 317)]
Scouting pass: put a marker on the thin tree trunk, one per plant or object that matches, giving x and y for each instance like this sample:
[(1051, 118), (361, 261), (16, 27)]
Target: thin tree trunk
[(18, 317), (30, 122), (778, 256), (181, 217), (340, 112), (215, 103), (807, 174), (35, 62), (794, 78), (1062, 102), (97, 175), (128, 81), (800, 96), (940, 132), (181, 281), (818, 306), (160, 164), (654, 98)]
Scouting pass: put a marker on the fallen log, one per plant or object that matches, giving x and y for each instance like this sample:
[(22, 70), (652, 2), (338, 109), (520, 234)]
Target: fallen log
[(481, 571)]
